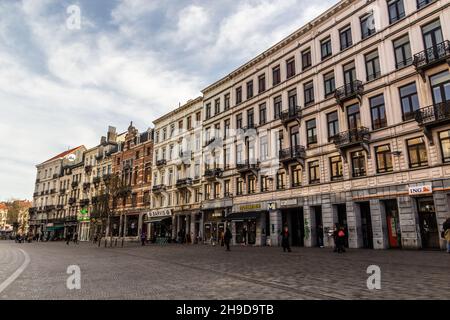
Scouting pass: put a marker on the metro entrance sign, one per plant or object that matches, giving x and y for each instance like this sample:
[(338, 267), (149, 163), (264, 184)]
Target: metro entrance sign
[(84, 215)]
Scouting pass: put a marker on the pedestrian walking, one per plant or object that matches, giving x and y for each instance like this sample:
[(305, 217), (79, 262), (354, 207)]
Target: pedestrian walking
[(446, 233), (67, 238), (143, 238), (75, 237), (244, 236), (340, 240), (335, 237), (320, 235), (285, 239), (227, 238)]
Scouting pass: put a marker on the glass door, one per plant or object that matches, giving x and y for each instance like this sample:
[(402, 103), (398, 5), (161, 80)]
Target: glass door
[(440, 86), (428, 224), (353, 117)]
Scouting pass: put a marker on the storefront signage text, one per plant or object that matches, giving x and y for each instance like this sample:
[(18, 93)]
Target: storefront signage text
[(250, 207), (159, 213), (290, 202), (420, 190)]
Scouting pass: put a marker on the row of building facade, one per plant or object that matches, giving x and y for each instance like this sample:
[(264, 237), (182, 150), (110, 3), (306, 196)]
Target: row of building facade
[(346, 121)]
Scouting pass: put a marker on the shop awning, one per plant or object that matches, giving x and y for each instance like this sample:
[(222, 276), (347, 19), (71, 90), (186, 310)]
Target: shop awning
[(243, 215), (157, 219)]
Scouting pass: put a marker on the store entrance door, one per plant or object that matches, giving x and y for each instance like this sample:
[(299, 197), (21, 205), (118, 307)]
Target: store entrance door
[(428, 223), (393, 224), (342, 220), (366, 225)]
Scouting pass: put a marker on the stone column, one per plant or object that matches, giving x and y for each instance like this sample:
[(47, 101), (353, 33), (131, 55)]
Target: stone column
[(139, 226), (260, 225), (233, 232), (275, 227), (355, 239), (441, 206), (379, 224), (193, 235), (409, 223), (310, 226), (179, 225), (329, 218), (125, 229), (174, 227), (201, 227)]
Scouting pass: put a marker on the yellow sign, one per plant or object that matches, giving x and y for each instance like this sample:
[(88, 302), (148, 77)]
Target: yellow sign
[(250, 207)]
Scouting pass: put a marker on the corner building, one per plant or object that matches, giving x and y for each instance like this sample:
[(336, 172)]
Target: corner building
[(354, 107)]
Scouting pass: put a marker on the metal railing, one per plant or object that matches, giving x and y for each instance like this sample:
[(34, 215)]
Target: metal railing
[(435, 113), (352, 136), (432, 55), (349, 91), (292, 153)]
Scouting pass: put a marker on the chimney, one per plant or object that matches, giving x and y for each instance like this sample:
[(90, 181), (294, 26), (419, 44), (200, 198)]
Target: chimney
[(112, 134), (103, 140)]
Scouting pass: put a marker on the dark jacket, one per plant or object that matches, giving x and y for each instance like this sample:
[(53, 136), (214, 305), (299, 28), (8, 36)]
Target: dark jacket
[(228, 235), (446, 224), (285, 238)]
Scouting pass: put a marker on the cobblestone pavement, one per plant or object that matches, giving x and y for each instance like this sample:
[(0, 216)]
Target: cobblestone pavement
[(206, 272)]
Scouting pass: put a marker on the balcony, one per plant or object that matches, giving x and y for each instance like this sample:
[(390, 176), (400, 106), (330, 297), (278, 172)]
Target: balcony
[(292, 155), (70, 219), (433, 116), (75, 184), (251, 126), (185, 157), (212, 174), (351, 138), (55, 176), (247, 167), (159, 188), (88, 169), (52, 191), (49, 208), (35, 194), (96, 180), (353, 90), (124, 191), (184, 183), (431, 57), (72, 201), (292, 114), (161, 162), (99, 157), (62, 191), (84, 202), (106, 177), (86, 186)]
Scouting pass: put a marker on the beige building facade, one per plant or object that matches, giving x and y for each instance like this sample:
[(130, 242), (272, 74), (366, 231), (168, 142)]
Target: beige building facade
[(345, 121)]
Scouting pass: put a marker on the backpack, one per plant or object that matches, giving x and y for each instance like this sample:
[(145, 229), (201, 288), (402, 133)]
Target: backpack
[(341, 233)]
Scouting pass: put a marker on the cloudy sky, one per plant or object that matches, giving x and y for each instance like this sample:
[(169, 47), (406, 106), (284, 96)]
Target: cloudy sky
[(131, 60)]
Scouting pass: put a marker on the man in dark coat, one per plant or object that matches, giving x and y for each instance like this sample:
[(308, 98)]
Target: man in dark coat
[(285, 239), (227, 238)]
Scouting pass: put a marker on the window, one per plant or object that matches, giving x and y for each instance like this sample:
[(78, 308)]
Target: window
[(238, 95), (263, 148), (249, 89), (280, 180), (208, 111), (227, 158), (396, 10), (164, 136), (432, 36), (353, 117), (251, 188), (308, 89), (384, 158), (402, 51), (189, 123), (239, 154), (250, 118), (367, 25), (277, 107), (417, 152), (227, 101), (276, 76), (264, 183), (261, 83), (345, 37), (172, 130), (239, 121), (262, 113), (290, 68), (306, 59), (217, 190), (239, 186), (296, 176), (378, 112), (207, 191), (372, 65), (329, 84), (217, 106), (444, 139), (336, 168), (333, 124), (198, 117), (314, 172), (349, 72), (325, 48), (358, 164), (226, 128), (180, 124), (226, 188), (423, 3), (311, 132), (292, 100), (409, 101)]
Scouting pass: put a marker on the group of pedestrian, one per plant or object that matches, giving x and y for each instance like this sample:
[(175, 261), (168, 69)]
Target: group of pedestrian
[(446, 233), (72, 237)]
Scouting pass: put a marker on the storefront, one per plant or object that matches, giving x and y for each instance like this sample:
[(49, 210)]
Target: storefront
[(249, 223), (84, 225), (214, 226), (131, 225), (53, 231), (158, 224), (393, 224)]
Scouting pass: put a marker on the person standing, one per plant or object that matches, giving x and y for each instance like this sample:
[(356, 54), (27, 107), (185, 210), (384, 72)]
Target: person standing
[(446, 232), (320, 235), (67, 238), (75, 237), (285, 239), (341, 240), (227, 238), (335, 237), (143, 238)]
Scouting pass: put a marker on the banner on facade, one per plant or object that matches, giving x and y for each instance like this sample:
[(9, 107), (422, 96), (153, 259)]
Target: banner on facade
[(159, 213), (289, 202), (420, 190), (250, 207)]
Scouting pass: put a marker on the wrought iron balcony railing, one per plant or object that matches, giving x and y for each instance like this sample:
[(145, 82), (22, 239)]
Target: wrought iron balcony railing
[(293, 113), (351, 137), (349, 91), (159, 188), (183, 183), (213, 173), (75, 184), (292, 154), (161, 162), (432, 56), (434, 114), (247, 166)]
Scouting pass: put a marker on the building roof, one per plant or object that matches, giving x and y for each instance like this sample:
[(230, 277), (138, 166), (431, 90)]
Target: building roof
[(3, 206), (188, 104), (63, 154)]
